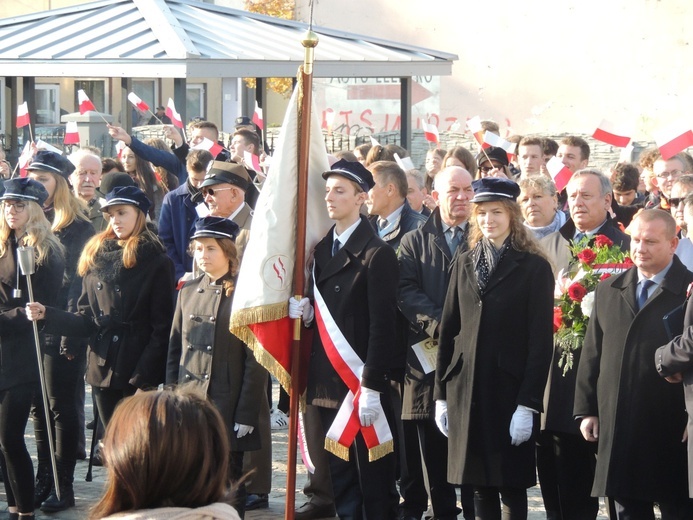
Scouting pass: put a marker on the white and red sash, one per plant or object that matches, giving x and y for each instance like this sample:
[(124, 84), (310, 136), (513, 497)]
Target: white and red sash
[(349, 367)]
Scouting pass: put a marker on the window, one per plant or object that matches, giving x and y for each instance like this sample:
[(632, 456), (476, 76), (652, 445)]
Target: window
[(96, 90), (195, 101), (47, 97)]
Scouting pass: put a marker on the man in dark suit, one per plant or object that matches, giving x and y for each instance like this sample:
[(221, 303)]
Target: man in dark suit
[(390, 213), (355, 289), (565, 462), (425, 259), (637, 417)]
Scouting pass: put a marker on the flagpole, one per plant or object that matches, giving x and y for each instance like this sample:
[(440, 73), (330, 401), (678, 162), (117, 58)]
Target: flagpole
[(310, 40)]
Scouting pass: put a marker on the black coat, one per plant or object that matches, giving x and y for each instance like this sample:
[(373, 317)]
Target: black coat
[(425, 265), (493, 355), (359, 286), (126, 313), (18, 362), (642, 417), (203, 353), (408, 221), (560, 389)]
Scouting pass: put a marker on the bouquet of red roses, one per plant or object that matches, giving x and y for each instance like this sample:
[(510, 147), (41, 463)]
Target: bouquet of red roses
[(596, 260)]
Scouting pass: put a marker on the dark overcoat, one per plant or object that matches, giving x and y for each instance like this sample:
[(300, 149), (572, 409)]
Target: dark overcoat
[(359, 286), (203, 353), (560, 389), (677, 357), (18, 362), (425, 266), (641, 416), (494, 355), (408, 221), (126, 313)]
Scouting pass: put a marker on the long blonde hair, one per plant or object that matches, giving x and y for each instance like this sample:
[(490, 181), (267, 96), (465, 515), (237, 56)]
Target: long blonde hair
[(139, 234), (67, 207), (37, 233), (521, 238)]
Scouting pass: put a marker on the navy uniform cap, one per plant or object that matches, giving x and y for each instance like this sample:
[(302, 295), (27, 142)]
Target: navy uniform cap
[(215, 227), (51, 162), (488, 189), (130, 195), (25, 189), (221, 172), (495, 153), (354, 171)]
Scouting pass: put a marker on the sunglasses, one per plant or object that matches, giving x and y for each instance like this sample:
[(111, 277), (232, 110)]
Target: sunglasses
[(212, 191), (675, 202)]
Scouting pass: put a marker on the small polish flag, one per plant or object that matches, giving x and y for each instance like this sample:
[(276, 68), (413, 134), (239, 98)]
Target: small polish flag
[(257, 117), (120, 146), (608, 133), (559, 172), (43, 145), (209, 145), (674, 139), (173, 115), (405, 163), (252, 160), (430, 132), (22, 115), (85, 104), (24, 159), (71, 133), (496, 140), (135, 100), (374, 141), (474, 125)]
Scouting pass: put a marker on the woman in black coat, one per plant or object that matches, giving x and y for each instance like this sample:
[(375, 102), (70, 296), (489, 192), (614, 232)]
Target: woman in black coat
[(63, 358), (204, 354), (23, 224), (125, 307), (494, 354)]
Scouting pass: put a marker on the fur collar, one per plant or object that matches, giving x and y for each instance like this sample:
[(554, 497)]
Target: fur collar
[(108, 262)]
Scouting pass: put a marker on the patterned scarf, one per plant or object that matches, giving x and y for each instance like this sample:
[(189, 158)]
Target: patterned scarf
[(486, 258)]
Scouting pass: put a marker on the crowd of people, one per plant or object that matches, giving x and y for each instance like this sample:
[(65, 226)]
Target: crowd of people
[(432, 308)]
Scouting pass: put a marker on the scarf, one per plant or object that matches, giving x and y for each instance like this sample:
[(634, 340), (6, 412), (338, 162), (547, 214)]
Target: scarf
[(540, 232), (486, 259)]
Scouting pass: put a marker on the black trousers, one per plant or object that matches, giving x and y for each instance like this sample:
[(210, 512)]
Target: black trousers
[(363, 490), (236, 475), (18, 470), (108, 398), (565, 465), (629, 509), (63, 378), (487, 503)]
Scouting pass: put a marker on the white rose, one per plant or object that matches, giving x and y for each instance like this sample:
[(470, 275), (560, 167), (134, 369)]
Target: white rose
[(587, 304)]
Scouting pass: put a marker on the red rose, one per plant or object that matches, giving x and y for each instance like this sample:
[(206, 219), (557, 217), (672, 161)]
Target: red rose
[(603, 240), (587, 256), (577, 292), (557, 319), (604, 277), (627, 261)]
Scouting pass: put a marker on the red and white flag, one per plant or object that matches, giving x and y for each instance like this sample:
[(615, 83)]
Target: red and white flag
[(71, 133), (85, 104), (496, 140), (260, 309), (137, 101), (173, 115), (559, 172), (474, 125), (22, 115), (120, 146), (209, 145), (252, 160), (25, 159), (430, 132), (257, 117), (609, 133), (674, 139), (405, 163)]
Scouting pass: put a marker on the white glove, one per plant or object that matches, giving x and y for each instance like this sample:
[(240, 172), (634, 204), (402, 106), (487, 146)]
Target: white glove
[(521, 425), (442, 416), (369, 406), (301, 309), (242, 430)]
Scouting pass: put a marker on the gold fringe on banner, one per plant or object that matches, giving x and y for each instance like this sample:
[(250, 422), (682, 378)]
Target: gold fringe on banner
[(270, 312), (337, 449), (380, 451)]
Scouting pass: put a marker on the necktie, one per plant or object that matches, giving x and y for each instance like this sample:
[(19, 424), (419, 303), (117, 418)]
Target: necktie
[(336, 246), (578, 237), (454, 241), (643, 292), (382, 223)]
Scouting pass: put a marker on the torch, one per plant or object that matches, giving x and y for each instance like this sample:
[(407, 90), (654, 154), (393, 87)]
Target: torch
[(25, 256)]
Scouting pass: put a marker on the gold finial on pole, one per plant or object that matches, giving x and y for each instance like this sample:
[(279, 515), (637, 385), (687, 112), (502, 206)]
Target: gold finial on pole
[(309, 41)]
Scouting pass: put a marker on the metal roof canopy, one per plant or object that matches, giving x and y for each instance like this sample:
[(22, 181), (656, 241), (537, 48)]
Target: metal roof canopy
[(188, 38)]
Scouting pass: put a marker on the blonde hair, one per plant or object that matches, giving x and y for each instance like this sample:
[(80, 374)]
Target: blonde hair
[(37, 233), (139, 234), (67, 207), (521, 238)]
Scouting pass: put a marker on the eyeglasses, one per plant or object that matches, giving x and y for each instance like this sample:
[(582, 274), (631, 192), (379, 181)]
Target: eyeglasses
[(486, 169), (676, 201), (211, 191), (18, 206), (669, 175)]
